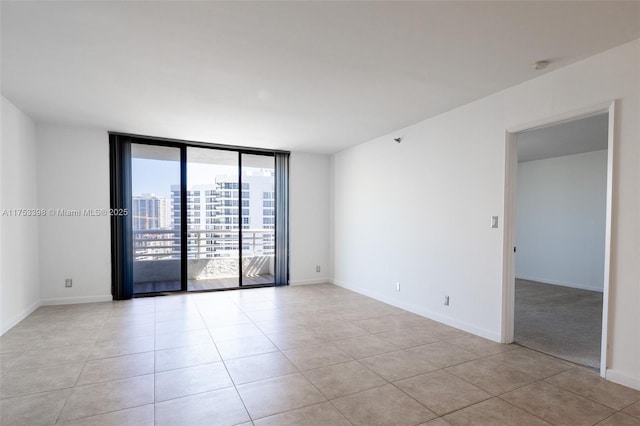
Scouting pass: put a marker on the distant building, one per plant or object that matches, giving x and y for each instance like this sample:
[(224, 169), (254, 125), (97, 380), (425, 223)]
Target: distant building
[(219, 207), (150, 211)]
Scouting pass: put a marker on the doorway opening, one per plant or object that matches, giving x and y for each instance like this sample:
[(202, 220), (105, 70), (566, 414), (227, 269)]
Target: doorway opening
[(557, 236)]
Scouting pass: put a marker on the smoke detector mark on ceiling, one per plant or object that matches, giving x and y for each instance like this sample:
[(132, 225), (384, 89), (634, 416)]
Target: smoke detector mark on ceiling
[(540, 65)]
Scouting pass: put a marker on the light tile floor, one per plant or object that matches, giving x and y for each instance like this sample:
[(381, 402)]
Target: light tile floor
[(307, 355)]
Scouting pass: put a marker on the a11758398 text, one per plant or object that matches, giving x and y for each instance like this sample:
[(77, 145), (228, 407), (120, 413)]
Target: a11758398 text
[(63, 212)]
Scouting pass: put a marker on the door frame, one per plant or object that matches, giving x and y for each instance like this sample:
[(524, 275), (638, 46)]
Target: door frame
[(121, 226), (510, 186)]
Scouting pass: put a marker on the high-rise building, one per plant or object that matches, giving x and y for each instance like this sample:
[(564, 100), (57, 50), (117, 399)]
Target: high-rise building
[(150, 215), (217, 211), (149, 211)]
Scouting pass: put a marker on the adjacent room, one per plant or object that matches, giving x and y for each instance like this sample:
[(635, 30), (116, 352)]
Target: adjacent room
[(319, 213), (560, 238)]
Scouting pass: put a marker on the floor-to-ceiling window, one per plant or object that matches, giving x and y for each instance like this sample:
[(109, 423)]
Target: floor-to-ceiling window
[(201, 217), (213, 219), (258, 218), (155, 224)]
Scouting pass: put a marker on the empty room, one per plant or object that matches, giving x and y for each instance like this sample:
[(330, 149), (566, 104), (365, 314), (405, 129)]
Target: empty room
[(319, 213), (561, 212)]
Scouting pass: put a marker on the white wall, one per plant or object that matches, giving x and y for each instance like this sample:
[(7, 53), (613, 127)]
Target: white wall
[(560, 220), (309, 218), (74, 174), (19, 276), (419, 212)]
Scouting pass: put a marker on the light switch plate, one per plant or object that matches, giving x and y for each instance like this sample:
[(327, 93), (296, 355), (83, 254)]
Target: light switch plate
[(494, 221)]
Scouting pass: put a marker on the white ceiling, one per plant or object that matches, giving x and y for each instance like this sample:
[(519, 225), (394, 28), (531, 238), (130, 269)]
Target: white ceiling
[(568, 138), (311, 76)]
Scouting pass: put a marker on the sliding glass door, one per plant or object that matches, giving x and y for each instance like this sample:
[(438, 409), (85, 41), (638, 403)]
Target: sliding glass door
[(155, 190), (213, 219), (230, 198), (201, 217), (258, 217)]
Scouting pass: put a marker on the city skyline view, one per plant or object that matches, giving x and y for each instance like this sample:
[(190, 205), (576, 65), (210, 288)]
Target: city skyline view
[(217, 207), (230, 226)]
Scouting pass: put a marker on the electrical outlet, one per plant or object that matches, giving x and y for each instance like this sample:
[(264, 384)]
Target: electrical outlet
[(318, 268), (398, 286), (68, 282), (446, 301)]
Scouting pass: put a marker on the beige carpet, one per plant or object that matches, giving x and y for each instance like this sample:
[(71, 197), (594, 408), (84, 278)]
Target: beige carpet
[(560, 321)]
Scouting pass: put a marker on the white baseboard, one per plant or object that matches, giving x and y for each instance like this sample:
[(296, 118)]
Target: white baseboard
[(310, 281), (73, 300), (623, 379), (20, 316), (461, 325), (564, 284)]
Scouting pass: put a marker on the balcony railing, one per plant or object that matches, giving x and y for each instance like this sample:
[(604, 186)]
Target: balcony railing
[(164, 244), (212, 257)]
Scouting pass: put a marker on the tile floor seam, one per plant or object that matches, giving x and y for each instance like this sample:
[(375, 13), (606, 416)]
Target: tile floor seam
[(352, 393), (112, 380), (181, 368), (577, 394), (572, 364), (338, 408), (67, 398), (188, 395), (383, 378), (627, 406), (268, 378), (304, 406), (99, 414), (285, 411), (563, 390), (521, 408), (84, 364), (34, 393), (341, 413), (615, 413), (490, 392), (233, 383), (299, 372), (305, 347), (424, 405), (325, 366), (466, 349), (184, 367), (629, 414), (465, 407), (470, 405), (44, 366), (393, 382), (525, 409)]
